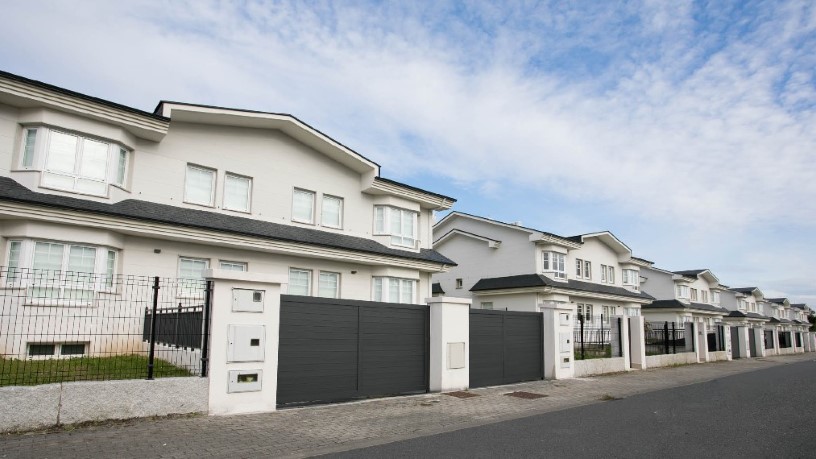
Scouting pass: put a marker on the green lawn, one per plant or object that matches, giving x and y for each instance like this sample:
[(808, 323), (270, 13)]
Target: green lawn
[(15, 372)]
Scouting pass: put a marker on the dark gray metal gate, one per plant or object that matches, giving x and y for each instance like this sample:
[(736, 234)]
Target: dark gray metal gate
[(505, 347), (332, 350), (736, 350), (752, 342)]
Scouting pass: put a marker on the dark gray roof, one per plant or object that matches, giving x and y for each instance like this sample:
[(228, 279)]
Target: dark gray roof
[(801, 306), (676, 304), (690, 272), (774, 320), (133, 209), (751, 315), (786, 321), (743, 289), (436, 288), (776, 300), (539, 280)]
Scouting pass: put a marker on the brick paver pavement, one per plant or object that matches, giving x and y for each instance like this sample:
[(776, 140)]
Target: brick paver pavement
[(300, 432)]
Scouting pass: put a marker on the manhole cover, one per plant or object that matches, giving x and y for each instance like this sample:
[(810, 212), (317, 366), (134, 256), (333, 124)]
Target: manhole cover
[(525, 395), (462, 394)]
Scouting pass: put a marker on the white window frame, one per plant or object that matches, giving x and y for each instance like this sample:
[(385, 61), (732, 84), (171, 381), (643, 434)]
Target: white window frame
[(122, 165), (191, 287), (398, 237), (32, 159), (337, 276), (488, 305), (587, 270), (631, 277), (99, 280), (228, 265), (693, 294), (579, 268), (704, 296), (340, 202), (682, 291), (554, 263), (303, 191), (213, 183), (231, 176), (384, 292), (309, 282)]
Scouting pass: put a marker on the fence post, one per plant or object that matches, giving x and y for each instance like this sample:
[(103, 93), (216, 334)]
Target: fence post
[(620, 339), (205, 334), (581, 319), (151, 354), (666, 337), (674, 339)]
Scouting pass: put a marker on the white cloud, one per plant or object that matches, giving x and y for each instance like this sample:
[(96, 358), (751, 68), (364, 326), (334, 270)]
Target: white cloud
[(708, 126)]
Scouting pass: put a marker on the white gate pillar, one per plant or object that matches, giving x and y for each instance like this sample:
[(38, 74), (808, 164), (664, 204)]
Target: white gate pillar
[(702, 342), (621, 345), (244, 338), (558, 319), (450, 344), (637, 342)]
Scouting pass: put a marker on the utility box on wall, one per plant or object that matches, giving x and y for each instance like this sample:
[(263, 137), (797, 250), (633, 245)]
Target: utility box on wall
[(244, 381), (565, 349), (246, 300), (245, 343)]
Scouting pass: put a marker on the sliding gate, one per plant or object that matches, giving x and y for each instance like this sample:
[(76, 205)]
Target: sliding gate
[(505, 347), (332, 350)]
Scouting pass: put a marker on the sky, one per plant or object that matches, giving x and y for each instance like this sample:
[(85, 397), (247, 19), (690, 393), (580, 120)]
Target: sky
[(688, 129)]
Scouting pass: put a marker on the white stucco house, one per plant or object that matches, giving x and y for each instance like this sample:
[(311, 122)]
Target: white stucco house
[(88, 185), (511, 267), (689, 296)]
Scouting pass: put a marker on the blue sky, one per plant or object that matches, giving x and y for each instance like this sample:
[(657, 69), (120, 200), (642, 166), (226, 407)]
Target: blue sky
[(686, 128)]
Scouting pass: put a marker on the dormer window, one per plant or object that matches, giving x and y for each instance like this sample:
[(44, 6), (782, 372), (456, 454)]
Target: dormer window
[(631, 278), (554, 263), (73, 162)]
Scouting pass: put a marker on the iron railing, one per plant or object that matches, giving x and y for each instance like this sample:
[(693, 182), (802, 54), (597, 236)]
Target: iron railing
[(59, 326), (597, 337), (664, 338)]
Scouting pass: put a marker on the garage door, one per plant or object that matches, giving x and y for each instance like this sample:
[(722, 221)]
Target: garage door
[(505, 347), (333, 350)]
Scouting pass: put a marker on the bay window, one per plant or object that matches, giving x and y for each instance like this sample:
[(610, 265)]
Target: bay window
[(682, 291), (60, 270), (631, 277), (394, 290), (554, 263), (400, 224)]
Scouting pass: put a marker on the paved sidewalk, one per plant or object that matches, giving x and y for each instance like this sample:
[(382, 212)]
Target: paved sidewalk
[(301, 432)]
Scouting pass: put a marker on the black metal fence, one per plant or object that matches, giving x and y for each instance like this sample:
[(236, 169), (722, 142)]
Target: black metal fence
[(59, 326), (716, 338), (664, 338), (785, 340), (769, 339), (597, 337)]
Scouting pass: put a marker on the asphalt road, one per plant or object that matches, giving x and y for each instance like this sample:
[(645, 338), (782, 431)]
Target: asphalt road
[(765, 413)]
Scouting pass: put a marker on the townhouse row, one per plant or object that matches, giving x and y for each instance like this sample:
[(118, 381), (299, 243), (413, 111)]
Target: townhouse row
[(92, 191)]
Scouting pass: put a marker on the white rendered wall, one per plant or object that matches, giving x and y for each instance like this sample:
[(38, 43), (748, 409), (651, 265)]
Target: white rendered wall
[(450, 331), (658, 284)]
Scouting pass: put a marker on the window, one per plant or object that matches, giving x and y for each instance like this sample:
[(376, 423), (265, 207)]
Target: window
[(608, 274), (41, 349), (631, 277), (394, 290), (682, 291), (487, 305), (400, 224), (554, 263), (579, 268), (459, 283), (199, 186), (72, 349), (704, 296), (331, 214), (121, 167), (56, 349), (608, 311), (29, 143), (110, 269), (191, 276), (587, 270), (232, 265), (237, 192), (13, 263), (300, 282), (585, 311), (303, 206), (694, 294), (76, 163), (328, 285)]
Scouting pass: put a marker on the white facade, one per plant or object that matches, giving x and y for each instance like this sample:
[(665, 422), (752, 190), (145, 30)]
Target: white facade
[(269, 194)]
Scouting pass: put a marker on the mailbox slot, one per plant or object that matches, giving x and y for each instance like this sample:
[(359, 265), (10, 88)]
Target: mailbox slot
[(244, 381)]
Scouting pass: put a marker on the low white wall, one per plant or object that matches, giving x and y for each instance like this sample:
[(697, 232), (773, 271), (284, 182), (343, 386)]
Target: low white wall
[(599, 366), (717, 356), (666, 360), (33, 407)]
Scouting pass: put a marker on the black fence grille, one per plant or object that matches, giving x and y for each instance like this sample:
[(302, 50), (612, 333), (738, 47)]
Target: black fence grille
[(664, 338), (716, 338), (59, 326), (785, 340), (597, 337)]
